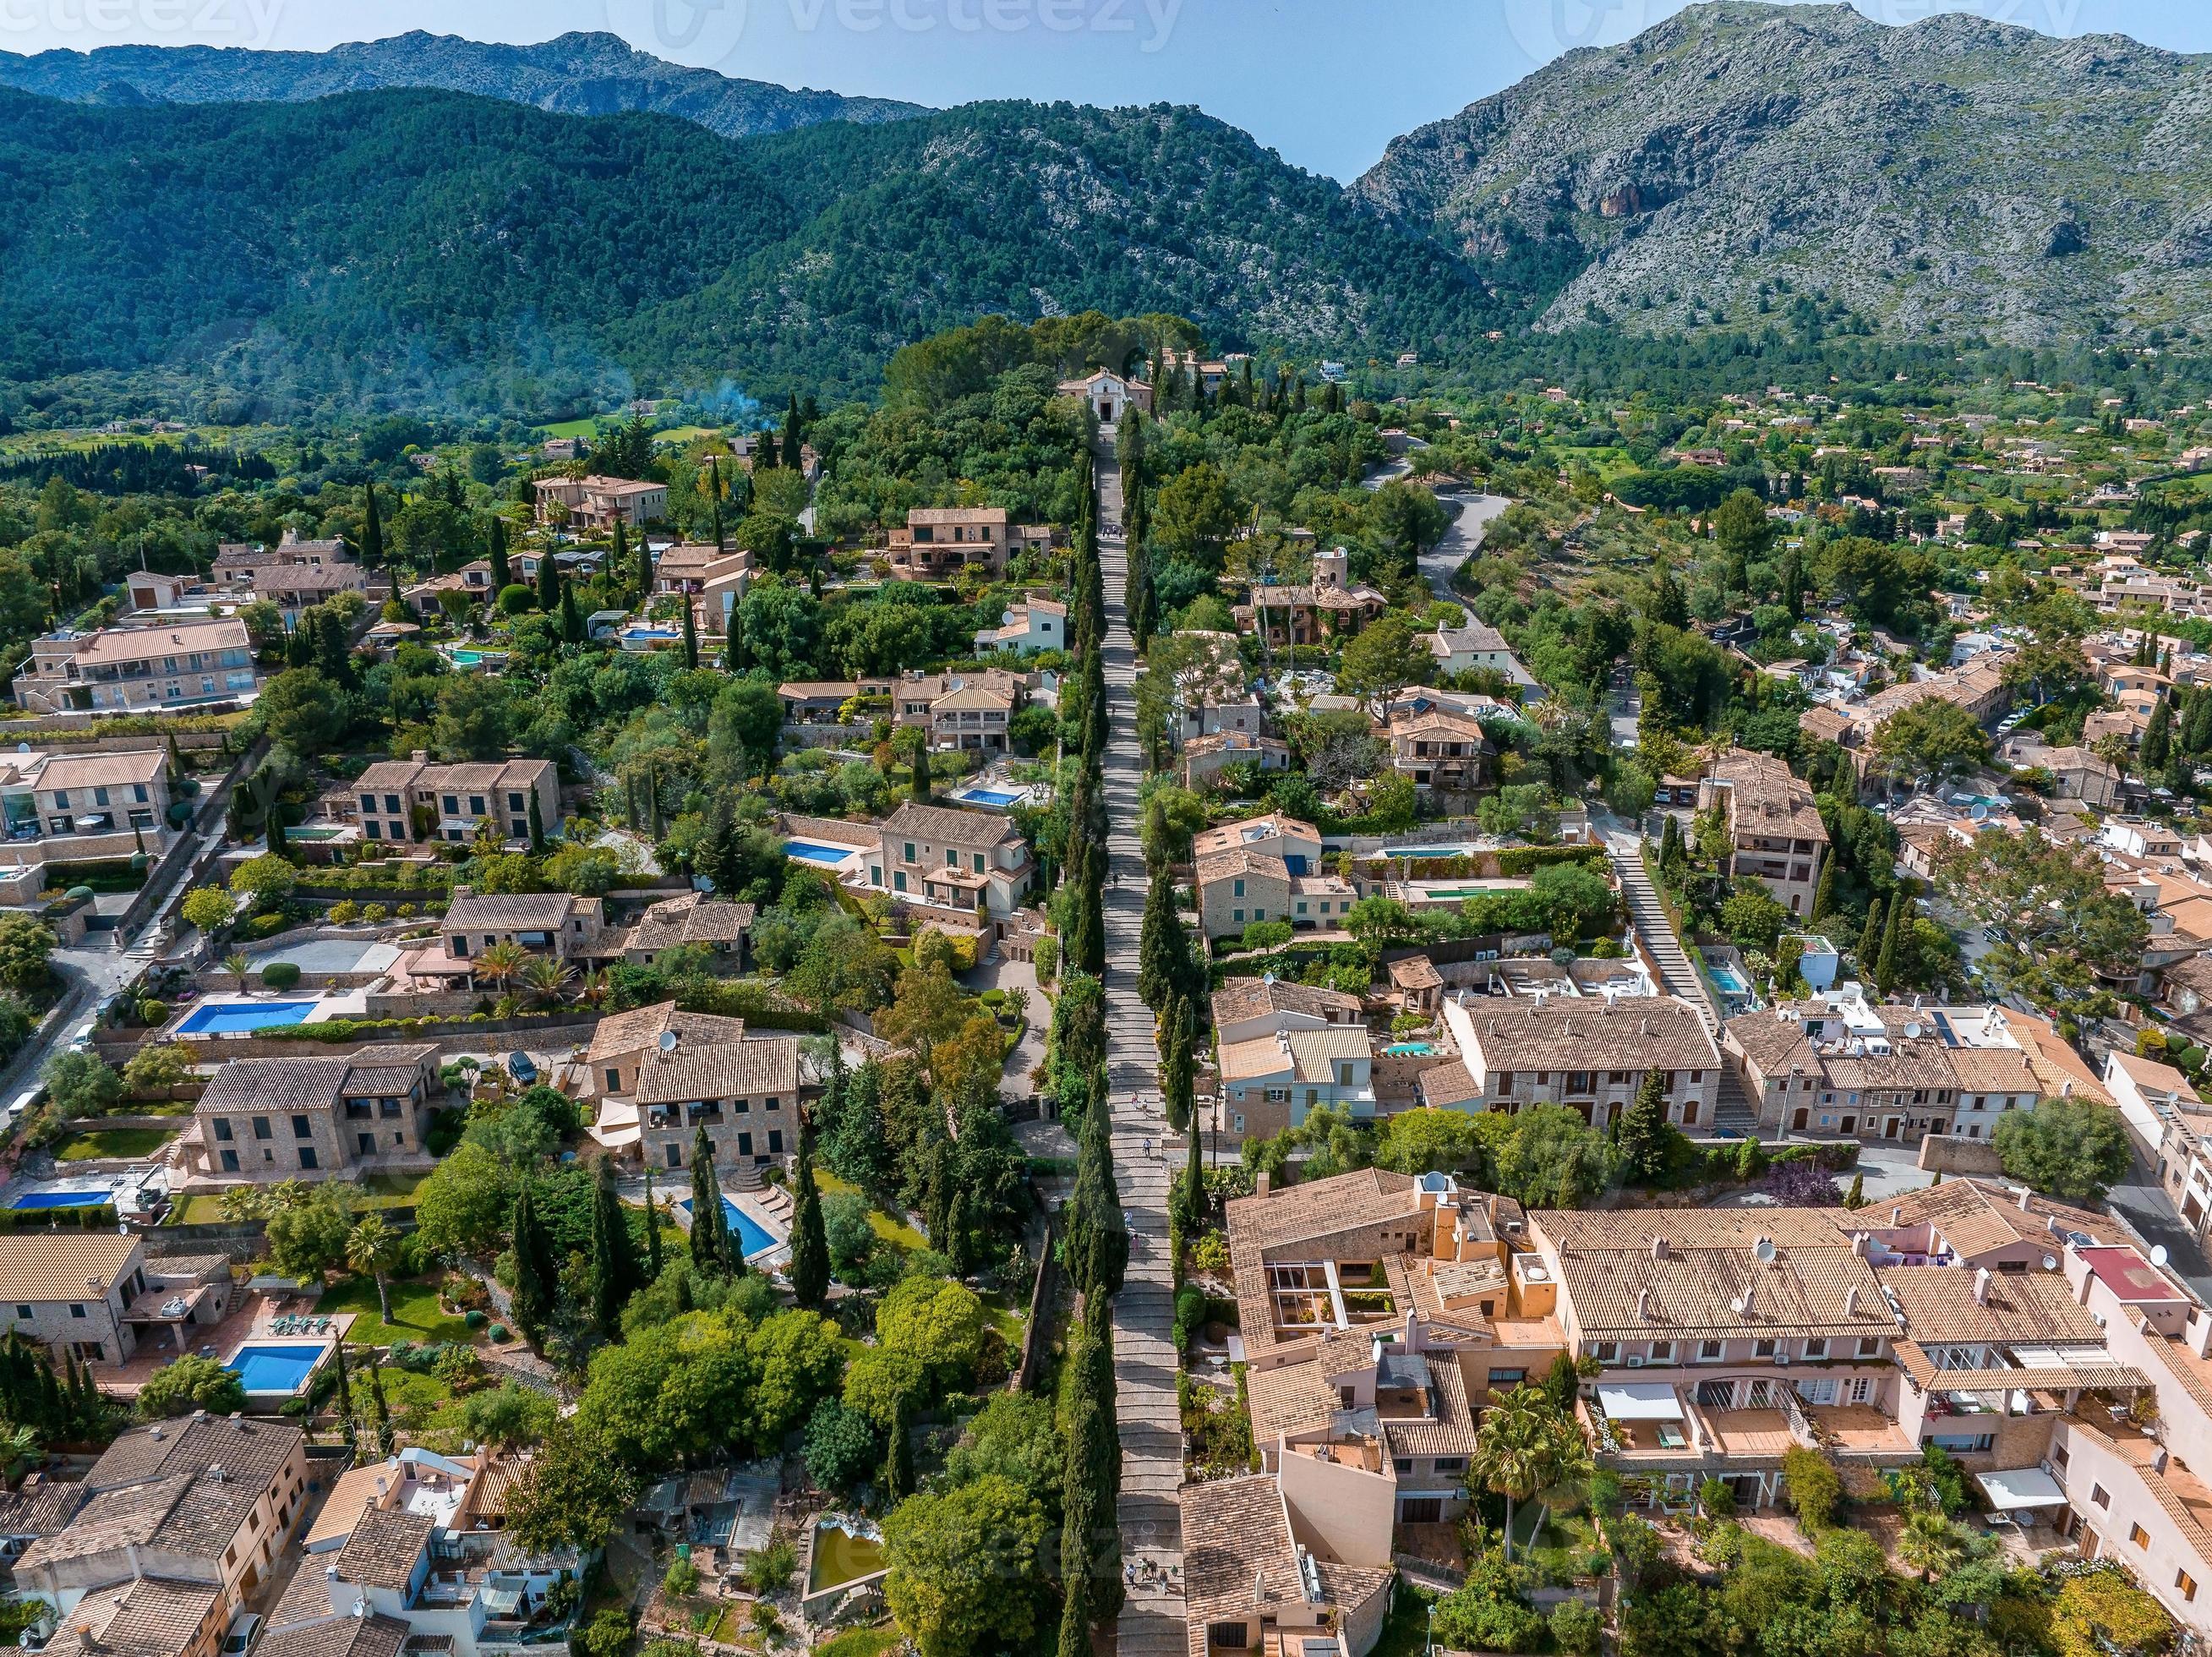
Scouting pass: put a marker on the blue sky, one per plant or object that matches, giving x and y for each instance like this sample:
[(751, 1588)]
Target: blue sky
[(1327, 82)]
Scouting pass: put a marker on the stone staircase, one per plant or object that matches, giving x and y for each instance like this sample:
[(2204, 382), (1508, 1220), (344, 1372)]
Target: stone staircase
[(1678, 975)]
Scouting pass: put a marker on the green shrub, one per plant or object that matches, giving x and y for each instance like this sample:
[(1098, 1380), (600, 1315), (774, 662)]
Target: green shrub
[(265, 926), (1576, 1626), (280, 975), (344, 911)]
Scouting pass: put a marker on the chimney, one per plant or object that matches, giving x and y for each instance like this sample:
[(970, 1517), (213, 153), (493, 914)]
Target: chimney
[(2158, 1462), (2199, 1332), (1644, 1303), (1860, 1244), (1981, 1286), (2024, 1199), (1260, 1186), (1259, 1588), (1750, 1295), (421, 756), (1658, 1248), (1896, 1215), (1851, 1301)]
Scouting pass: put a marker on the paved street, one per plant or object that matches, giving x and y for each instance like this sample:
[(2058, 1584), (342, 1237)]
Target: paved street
[(1459, 542), (1145, 1359)]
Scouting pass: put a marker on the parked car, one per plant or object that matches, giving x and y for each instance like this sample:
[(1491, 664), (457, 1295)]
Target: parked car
[(522, 1068), (243, 1628)]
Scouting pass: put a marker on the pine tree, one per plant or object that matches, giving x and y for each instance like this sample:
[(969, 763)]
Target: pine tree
[(810, 1244), (549, 582), (1869, 949), (899, 1461), (613, 1263), (690, 637), (372, 530), (706, 1207), (2157, 739), (535, 1274), (654, 1261)]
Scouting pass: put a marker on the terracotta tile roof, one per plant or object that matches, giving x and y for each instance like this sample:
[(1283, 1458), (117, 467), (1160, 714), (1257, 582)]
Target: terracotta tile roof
[(39, 1509), (1304, 1055), (518, 911), (1765, 799), (145, 1617), (690, 918), (182, 1488), (733, 1069), (289, 1084), (1939, 1306), (85, 770), (383, 1547), (341, 1636), (1244, 998), (1655, 1032), (1414, 972), (1446, 1086), (1235, 1532), (1251, 830), (1973, 1216), (53, 1265), (1259, 1224), (948, 825), (1232, 865), (1622, 1286), (642, 1026)]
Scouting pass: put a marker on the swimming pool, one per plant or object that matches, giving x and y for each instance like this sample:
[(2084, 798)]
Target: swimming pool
[(811, 851), (1427, 851), (1408, 1049), (60, 1199), (752, 1236), (275, 1369), (1730, 981), (989, 796), (474, 658), (239, 1017)]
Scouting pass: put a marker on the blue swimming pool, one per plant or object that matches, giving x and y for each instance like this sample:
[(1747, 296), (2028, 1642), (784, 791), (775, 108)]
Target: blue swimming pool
[(752, 1236), (1406, 1049), (60, 1199), (275, 1369), (237, 1018), (1731, 981), (809, 851), (990, 796)]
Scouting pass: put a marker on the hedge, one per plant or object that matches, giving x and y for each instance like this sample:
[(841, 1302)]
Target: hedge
[(1517, 862), (85, 1219)]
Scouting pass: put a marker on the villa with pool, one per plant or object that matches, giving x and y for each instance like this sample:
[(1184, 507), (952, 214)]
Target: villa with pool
[(286, 1118)]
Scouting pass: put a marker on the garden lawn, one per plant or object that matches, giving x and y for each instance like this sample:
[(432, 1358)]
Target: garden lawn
[(205, 1209), (390, 1191), (91, 1144), (415, 1314), (1405, 1630), (859, 1643), (894, 1232)]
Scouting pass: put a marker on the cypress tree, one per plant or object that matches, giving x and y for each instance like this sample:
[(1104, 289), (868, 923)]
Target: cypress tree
[(1178, 1067), (690, 637), (344, 1396), (1869, 949), (549, 582), (705, 1206), (2196, 729), (921, 778), (644, 569), (1824, 896), (618, 560), (382, 1408), (1900, 910), (1097, 1237), (372, 529), (537, 825), (613, 1266), (2157, 739), (899, 1461), (810, 1244), (1193, 1178), (1158, 947), (572, 619), (653, 1257), (496, 536), (1855, 1197), (1091, 1543), (534, 1270), (1643, 1139)]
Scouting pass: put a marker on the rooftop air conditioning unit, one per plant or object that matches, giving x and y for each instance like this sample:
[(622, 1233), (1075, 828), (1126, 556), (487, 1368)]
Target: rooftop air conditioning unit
[(1635, 1363), (1781, 1360)]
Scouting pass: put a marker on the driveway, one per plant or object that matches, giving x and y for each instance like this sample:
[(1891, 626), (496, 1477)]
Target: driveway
[(2146, 1206), (1459, 542)]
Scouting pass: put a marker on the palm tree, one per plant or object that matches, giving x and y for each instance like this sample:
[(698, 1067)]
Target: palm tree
[(547, 978), (1931, 1543), (1524, 1445), (237, 966), (20, 1450), (594, 987), (501, 961), (372, 1246)]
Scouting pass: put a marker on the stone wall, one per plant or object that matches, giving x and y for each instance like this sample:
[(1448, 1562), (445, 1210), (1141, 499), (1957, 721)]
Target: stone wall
[(1945, 1153)]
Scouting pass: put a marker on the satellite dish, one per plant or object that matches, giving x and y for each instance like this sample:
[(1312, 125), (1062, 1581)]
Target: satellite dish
[(1763, 1250), (1912, 1031), (2051, 1263), (668, 1041), (22, 748), (2159, 1257)]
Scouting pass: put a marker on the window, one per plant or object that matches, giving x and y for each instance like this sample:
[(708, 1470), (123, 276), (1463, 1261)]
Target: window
[(1762, 1349), (1816, 1347), (1606, 1351), (261, 1128), (1870, 1346), (302, 1129), (614, 1080), (1239, 890), (1708, 1351), (1663, 1352), (222, 1130), (2060, 1456), (1508, 1377), (2185, 1585), (1450, 1464), (909, 852), (1404, 1464), (76, 1308), (1228, 1636), (307, 1157), (2101, 1496), (2139, 1535)]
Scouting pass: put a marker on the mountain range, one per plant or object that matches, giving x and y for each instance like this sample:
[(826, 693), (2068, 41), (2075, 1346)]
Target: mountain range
[(574, 75), (427, 220)]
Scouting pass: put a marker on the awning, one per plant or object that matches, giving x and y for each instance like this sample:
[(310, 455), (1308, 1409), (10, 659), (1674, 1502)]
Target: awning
[(2023, 1487), (1640, 1401)]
